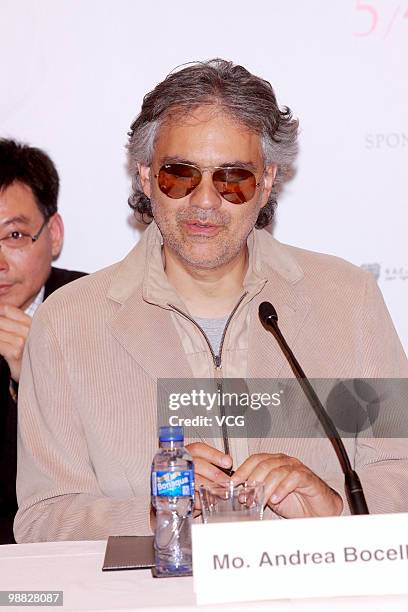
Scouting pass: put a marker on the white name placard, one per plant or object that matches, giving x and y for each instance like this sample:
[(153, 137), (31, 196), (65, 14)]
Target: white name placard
[(299, 558)]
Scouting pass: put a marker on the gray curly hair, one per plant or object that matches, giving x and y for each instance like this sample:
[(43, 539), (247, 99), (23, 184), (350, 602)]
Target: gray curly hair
[(248, 99)]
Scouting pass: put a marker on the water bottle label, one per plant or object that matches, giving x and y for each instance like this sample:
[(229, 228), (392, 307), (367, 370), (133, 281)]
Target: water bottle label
[(173, 484)]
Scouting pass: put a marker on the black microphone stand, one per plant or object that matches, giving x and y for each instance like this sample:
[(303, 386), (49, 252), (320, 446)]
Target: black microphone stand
[(354, 489)]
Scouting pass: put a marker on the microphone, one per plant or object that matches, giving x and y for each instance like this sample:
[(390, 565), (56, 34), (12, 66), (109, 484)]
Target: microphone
[(354, 489)]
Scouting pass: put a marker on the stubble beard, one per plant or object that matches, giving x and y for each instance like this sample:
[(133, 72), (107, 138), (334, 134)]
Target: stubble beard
[(223, 248)]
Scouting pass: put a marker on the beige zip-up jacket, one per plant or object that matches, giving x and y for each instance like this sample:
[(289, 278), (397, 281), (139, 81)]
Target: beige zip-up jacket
[(87, 398)]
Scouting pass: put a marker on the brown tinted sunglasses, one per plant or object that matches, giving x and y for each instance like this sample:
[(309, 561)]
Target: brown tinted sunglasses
[(236, 185)]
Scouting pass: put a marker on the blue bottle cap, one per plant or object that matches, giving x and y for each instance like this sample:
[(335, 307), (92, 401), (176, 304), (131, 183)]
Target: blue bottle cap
[(171, 434)]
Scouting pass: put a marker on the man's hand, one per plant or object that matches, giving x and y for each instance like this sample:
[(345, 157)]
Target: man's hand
[(14, 328), (206, 459), (291, 489)]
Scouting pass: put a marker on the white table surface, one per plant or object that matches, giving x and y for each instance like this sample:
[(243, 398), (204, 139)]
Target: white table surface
[(76, 569)]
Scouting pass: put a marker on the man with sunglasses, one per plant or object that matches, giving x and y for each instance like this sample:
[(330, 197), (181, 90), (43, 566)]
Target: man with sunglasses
[(31, 234), (208, 155)]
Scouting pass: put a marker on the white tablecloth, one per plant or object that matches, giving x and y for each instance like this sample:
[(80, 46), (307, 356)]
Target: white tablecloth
[(76, 569)]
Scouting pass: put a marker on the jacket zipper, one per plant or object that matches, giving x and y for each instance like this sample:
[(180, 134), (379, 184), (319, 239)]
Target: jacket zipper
[(217, 361)]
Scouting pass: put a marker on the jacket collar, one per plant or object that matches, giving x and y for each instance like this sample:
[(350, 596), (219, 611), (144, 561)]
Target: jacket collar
[(140, 281), (286, 291), (144, 266)]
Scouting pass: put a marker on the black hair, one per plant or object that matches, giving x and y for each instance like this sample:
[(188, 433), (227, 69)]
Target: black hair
[(32, 167)]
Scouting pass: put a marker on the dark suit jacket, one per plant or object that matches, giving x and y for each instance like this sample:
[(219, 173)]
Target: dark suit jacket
[(8, 425)]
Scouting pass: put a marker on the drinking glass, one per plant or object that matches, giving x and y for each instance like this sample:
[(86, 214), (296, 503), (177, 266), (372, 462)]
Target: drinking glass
[(228, 502)]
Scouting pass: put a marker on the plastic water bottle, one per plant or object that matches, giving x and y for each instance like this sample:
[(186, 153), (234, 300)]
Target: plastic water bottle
[(173, 499)]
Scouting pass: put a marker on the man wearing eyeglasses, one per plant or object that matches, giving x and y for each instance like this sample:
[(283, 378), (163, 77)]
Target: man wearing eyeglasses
[(31, 235), (208, 155)]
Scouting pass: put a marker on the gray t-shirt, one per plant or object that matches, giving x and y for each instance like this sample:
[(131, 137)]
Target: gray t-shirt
[(213, 329)]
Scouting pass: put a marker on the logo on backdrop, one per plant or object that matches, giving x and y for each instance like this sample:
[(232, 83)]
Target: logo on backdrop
[(386, 273), (386, 140), (374, 268), (380, 21)]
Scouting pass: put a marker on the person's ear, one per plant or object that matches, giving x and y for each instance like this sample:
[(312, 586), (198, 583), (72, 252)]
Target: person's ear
[(56, 229), (144, 173), (268, 181)]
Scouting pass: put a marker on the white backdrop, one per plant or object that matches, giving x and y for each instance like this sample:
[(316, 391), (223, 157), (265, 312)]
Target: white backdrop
[(73, 74)]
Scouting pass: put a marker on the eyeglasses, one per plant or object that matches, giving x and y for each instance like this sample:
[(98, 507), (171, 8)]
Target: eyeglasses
[(19, 240), (236, 185)]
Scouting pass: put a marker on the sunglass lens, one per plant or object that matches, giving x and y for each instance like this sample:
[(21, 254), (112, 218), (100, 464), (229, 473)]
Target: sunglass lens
[(178, 180), (236, 185)]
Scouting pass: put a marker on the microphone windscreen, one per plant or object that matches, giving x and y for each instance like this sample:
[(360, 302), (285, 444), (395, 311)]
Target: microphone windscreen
[(267, 313)]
